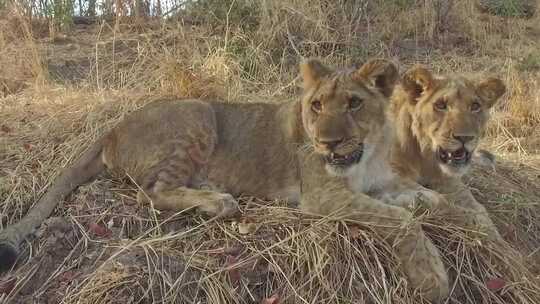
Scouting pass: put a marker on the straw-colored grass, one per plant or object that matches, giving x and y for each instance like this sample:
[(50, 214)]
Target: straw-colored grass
[(101, 247)]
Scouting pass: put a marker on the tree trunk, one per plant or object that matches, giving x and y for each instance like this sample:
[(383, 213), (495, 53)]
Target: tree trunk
[(91, 8), (158, 11), (119, 12), (140, 8), (108, 10)]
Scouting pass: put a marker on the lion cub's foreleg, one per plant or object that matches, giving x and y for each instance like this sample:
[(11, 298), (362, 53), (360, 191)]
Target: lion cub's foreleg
[(469, 212), (419, 258)]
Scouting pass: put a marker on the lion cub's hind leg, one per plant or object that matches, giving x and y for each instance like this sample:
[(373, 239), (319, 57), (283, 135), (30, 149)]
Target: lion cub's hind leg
[(181, 198), (174, 184)]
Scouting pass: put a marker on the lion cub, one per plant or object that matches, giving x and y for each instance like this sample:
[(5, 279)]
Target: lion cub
[(439, 122), (326, 151)]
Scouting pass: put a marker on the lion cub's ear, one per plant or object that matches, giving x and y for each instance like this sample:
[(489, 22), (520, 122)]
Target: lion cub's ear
[(380, 73), (490, 90), (312, 70), (416, 81)]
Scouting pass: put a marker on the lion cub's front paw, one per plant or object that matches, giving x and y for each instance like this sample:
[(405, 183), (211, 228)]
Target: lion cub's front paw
[(220, 205), (425, 270), (416, 200), (427, 199), (427, 274)]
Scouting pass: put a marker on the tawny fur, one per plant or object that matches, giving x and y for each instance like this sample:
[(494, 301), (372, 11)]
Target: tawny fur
[(422, 128), (192, 153)]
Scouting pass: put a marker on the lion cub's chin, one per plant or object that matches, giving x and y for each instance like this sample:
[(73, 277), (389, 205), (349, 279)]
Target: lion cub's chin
[(340, 171), (454, 171)]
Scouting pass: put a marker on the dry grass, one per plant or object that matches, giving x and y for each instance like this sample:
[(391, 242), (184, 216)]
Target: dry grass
[(78, 87), (20, 58)]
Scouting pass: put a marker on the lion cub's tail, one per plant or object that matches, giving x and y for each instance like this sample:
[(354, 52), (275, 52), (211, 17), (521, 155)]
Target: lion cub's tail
[(87, 167)]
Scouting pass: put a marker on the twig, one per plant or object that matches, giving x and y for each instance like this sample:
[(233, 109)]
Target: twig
[(289, 37)]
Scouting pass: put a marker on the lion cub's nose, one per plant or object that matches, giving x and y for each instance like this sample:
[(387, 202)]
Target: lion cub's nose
[(464, 138), (330, 144)]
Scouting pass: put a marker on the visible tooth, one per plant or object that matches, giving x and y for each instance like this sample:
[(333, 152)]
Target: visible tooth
[(332, 155)]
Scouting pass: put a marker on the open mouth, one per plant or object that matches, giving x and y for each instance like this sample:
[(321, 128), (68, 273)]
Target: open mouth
[(458, 157), (339, 160)]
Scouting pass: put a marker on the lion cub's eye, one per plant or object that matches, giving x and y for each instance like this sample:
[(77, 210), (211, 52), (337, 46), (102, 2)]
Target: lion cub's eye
[(475, 106), (316, 106), (355, 103), (441, 105)]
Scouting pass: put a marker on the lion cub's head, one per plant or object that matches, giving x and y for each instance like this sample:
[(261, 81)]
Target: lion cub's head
[(450, 115), (343, 111)]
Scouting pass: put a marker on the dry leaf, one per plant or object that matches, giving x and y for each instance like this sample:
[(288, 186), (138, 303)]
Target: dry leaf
[(274, 299), (68, 276), (247, 228), (495, 284), (7, 284), (233, 250), (234, 273), (99, 230), (5, 129), (354, 232)]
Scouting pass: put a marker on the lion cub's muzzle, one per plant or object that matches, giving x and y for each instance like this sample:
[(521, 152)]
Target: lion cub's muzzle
[(457, 157), (346, 160)]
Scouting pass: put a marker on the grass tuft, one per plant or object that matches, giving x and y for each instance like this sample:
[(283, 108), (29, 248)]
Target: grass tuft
[(59, 95)]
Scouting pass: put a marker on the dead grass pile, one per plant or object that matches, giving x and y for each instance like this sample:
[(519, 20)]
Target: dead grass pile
[(104, 249), (515, 124), (283, 255), (171, 61), (122, 253), (516, 209), (42, 130), (21, 60)]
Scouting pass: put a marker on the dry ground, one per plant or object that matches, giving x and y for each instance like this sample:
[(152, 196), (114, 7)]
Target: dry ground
[(58, 94)]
